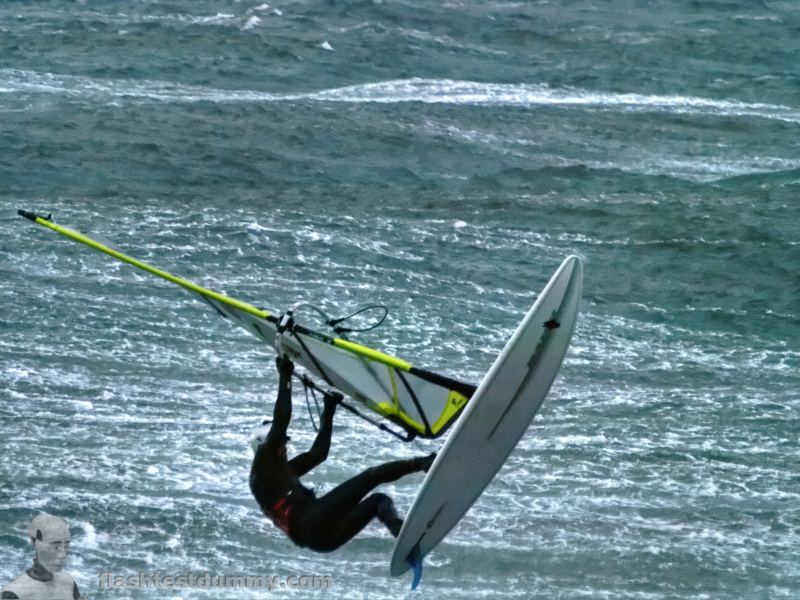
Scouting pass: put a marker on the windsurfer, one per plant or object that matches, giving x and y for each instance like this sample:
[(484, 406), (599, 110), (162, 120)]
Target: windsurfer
[(325, 523)]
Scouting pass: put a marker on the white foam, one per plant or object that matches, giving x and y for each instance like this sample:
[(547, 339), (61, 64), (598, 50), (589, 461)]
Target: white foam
[(494, 94), (251, 23), (90, 537), (428, 91), (212, 20), (83, 405)]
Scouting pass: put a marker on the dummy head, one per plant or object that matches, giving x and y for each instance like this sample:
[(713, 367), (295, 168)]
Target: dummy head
[(50, 538)]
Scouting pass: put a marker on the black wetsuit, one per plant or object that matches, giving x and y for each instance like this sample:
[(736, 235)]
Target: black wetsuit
[(325, 523)]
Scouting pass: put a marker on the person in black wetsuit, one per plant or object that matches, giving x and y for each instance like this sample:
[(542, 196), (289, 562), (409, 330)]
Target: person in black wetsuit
[(322, 524)]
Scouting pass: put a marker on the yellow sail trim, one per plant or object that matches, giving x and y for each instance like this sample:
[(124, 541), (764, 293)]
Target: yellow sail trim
[(455, 403), (375, 355), (358, 349), (440, 401), (192, 287)]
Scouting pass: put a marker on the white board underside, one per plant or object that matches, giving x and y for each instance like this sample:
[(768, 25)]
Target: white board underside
[(496, 417)]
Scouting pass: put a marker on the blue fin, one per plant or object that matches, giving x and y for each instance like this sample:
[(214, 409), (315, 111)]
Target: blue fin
[(414, 560)]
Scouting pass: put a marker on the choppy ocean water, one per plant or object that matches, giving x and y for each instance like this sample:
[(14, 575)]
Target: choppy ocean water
[(440, 159)]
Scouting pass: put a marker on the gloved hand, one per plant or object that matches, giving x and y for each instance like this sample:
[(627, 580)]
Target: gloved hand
[(284, 365), (331, 400)]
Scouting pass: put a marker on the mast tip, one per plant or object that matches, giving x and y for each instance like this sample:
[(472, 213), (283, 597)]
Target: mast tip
[(32, 216)]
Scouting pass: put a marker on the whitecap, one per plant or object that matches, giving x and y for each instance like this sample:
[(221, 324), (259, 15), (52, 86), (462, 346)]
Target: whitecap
[(216, 19), (90, 536), (428, 91), (443, 91), (251, 23)]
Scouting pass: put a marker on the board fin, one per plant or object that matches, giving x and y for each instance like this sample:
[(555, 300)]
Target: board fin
[(414, 561)]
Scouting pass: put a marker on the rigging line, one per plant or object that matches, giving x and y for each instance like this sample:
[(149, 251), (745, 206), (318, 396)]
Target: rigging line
[(296, 329), (308, 404), (333, 323), (408, 437), (324, 375)]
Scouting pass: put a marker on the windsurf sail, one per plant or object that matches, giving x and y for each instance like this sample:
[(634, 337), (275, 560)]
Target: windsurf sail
[(420, 401)]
